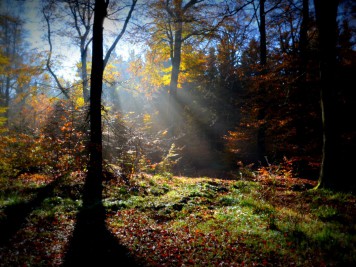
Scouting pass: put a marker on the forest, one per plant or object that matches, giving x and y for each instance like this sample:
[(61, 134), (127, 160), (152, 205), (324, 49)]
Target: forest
[(177, 133)]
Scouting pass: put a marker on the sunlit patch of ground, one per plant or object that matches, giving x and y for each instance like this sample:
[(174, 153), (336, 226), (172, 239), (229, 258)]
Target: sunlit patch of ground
[(271, 221), (263, 220)]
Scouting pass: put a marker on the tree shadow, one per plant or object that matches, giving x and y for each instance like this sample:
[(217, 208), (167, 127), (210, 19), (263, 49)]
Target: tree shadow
[(92, 244), (16, 214)]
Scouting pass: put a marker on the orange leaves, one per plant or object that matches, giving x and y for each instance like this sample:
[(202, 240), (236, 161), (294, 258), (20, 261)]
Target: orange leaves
[(36, 178), (67, 127), (162, 244), (55, 147)]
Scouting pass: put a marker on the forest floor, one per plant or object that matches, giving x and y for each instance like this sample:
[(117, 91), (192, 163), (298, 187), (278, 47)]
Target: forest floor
[(262, 220)]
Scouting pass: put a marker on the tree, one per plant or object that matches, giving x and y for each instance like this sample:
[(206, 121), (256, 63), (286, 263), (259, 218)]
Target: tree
[(94, 176), (95, 165), (47, 12), (303, 68), (80, 20), (174, 24), (229, 38), (261, 134), (327, 30), (19, 68), (82, 14), (11, 36)]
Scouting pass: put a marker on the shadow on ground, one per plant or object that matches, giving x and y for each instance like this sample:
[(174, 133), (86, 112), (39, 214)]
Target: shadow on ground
[(16, 214), (93, 244)]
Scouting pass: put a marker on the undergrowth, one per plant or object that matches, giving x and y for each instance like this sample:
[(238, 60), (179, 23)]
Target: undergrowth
[(262, 220), (201, 221)]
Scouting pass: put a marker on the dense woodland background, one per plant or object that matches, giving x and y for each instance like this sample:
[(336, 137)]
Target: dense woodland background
[(177, 133), (211, 86)]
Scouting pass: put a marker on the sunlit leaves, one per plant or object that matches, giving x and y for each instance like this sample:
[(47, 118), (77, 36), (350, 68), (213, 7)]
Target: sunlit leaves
[(4, 61), (223, 223), (3, 119)]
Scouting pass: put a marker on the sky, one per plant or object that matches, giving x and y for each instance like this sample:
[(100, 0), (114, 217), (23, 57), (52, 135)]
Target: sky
[(29, 11)]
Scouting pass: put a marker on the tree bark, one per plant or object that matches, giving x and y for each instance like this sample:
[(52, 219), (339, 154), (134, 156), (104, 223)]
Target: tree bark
[(82, 14), (327, 26), (303, 89), (176, 11), (176, 60), (93, 188), (261, 132), (84, 74), (262, 29), (173, 86)]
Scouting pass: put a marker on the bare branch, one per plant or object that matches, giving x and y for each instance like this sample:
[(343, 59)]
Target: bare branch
[(48, 63), (107, 56)]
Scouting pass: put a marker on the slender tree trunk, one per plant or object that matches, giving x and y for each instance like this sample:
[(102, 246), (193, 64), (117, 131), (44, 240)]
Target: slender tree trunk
[(176, 60), (261, 133), (94, 177), (84, 74), (7, 99), (327, 26), (48, 62), (10, 51), (263, 42), (303, 41), (301, 139)]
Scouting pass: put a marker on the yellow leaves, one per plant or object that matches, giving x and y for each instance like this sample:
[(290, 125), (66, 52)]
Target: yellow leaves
[(79, 102), (193, 64), (3, 119), (46, 77), (111, 75), (156, 69), (166, 76), (147, 118), (3, 60), (3, 110)]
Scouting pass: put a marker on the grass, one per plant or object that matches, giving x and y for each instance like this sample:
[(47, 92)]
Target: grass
[(176, 221), (237, 223)]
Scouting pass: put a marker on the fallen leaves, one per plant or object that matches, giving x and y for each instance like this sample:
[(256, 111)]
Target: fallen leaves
[(193, 222)]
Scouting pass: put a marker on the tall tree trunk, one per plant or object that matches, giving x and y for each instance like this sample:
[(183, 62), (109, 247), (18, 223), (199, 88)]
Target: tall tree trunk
[(327, 26), (84, 73), (303, 41), (303, 89), (10, 34), (176, 11), (261, 133), (173, 86), (262, 29), (7, 99), (7, 83), (94, 178)]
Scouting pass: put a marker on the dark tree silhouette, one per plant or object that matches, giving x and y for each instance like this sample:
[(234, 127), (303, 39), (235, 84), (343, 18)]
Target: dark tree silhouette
[(92, 244), (261, 134), (95, 167), (94, 177), (327, 28)]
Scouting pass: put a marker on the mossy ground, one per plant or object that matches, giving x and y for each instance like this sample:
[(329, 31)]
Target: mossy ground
[(176, 221)]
